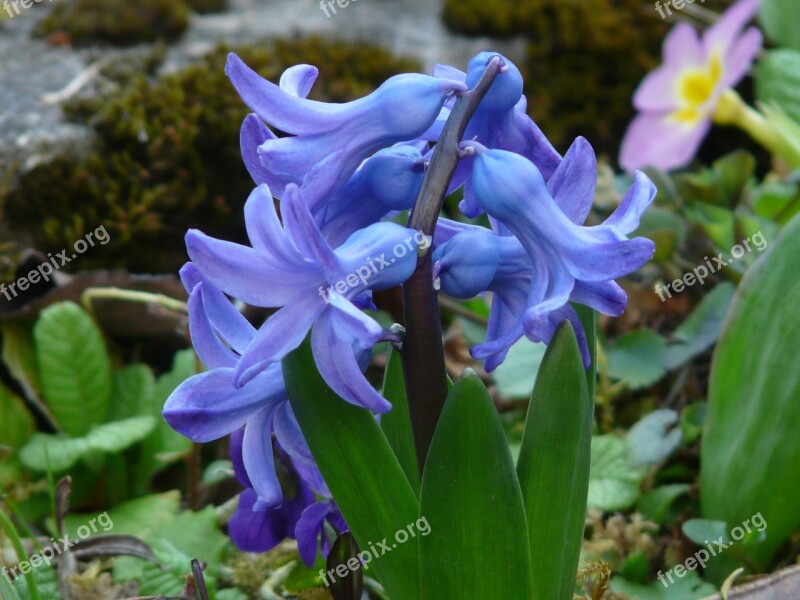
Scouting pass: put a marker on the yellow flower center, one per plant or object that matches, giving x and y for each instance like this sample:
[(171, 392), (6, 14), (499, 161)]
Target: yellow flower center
[(695, 87)]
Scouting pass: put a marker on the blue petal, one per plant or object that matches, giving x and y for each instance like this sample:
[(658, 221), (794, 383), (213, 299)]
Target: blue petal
[(573, 184), (244, 273), (290, 438), (468, 263), (337, 362), (640, 195), (212, 352), (267, 234), (305, 234), (506, 89), (207, 406), (259, 461), (309, 529), (254, 133), (299, 79), (280, 334)]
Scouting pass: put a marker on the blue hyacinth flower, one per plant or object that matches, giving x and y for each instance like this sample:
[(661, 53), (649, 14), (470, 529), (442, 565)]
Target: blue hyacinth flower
[(327, 141), (209, 406), (292, 267), (538, 258)]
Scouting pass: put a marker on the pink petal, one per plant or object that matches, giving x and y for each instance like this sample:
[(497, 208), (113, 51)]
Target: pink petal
[(724, 32), (741, 56), (655, 140)]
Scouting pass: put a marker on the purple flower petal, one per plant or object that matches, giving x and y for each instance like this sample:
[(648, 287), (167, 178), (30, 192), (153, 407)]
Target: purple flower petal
[(258, 459), (721, 36), (573, 183), (659, 141), (207, 406), (298, 80)]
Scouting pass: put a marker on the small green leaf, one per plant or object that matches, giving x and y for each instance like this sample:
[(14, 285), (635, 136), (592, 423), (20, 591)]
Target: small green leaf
[(119, 435), (688, 587), (613, 479), (478, 541), (655, 504), (358, 464), (701, 329), (636, 357), (553, 466), (396, 424), (55, 453), (134, 386), (654, 437), (778, 79), (516, 376), (779, 19), (74, 367), (702, 531), (18, 424)]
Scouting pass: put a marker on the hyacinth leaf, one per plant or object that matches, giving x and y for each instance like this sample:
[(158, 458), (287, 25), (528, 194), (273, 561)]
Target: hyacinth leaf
[(361, 470), (553, 466), (396, 424), (477, 546), (750, 452), (74, 366)]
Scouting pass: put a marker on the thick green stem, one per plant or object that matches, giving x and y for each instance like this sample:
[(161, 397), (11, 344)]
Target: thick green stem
[(423, 354)]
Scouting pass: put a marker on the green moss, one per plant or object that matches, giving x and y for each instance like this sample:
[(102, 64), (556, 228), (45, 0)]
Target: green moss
[(167, 156), (208, 6), (119, 22), (584, 59)]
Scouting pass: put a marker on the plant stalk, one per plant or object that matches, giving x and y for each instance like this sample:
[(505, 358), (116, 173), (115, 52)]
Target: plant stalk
[(423, 353)]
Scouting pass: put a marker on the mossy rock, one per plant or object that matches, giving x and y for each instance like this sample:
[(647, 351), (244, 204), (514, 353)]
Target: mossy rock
[(167, 157), (208, 6), (118, 22), (585, 58)]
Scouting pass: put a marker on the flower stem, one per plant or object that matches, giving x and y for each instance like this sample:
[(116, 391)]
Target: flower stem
[(423, 353)]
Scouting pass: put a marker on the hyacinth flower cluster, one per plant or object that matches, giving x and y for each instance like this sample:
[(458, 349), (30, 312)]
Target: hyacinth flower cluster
[(331, 181)]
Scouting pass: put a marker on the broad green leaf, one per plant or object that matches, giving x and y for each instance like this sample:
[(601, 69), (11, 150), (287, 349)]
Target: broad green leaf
[(688, 587), (750, 452), (74, 367), (778, 79), (164, 446), (19, 355), (654, 437), (655, 504), (396, 424), (613, 479), (119, 435), (360, 468), (779, 19), (553, 466), (16, 422), (701, 329), (701, 531), (54, 453), (636, 357), (133, 390), (516, 375), (478, 541)]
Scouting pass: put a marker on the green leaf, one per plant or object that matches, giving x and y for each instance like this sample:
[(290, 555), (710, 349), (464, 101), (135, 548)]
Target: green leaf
[(701, 531), (654, 437), (636, 357), (54, 453), (164, 446), (74, 367), (779, 19), (134, 386), (701, 329), (753, 409), (365, 477), (778, 79), (16, 422), (693, 417), (478, 541), (19, 355), (396, 424), (516, 376), (655, 504), (688, 587), (553, 466), (614, 480)]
